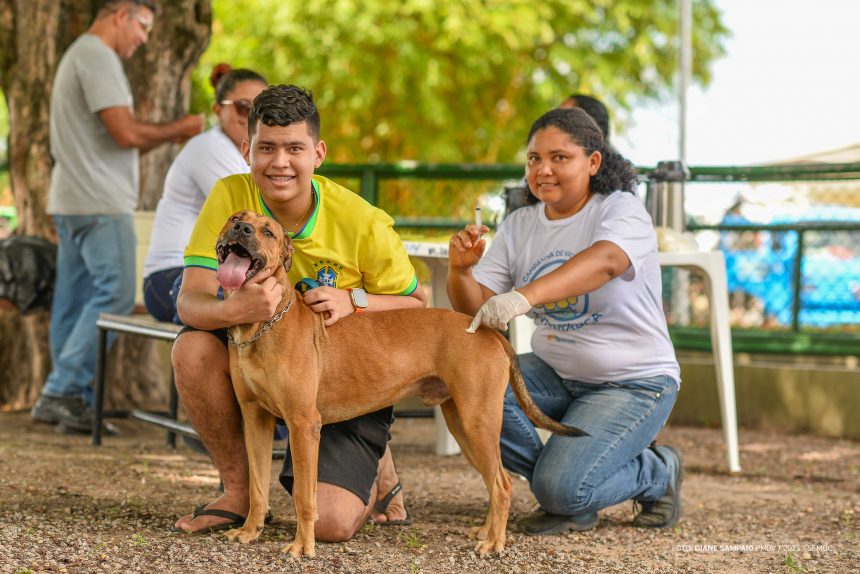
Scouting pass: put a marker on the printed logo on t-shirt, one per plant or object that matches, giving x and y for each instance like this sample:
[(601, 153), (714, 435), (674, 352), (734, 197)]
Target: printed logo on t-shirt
[(565, 315), (565, 310)]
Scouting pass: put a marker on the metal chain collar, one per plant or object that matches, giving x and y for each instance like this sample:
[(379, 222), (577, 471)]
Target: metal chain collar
[(266, 327)]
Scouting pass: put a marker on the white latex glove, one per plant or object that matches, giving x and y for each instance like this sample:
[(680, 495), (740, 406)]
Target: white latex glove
[(499, 310)]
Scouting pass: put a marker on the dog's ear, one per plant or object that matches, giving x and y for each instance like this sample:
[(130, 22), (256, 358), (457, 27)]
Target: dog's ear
[(288, 252)]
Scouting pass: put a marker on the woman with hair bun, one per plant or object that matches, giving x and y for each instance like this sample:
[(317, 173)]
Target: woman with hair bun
[(204, 160), (582, 262)]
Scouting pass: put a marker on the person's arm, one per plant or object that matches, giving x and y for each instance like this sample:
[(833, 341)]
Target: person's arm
[(128, 132), (585, 272), (465, 248), (199, 306), (387, 274), (338, 303)]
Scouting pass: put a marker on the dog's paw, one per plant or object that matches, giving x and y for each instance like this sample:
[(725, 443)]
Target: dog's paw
[(478, 532), (296, 549), (488, 546), (242, 535)]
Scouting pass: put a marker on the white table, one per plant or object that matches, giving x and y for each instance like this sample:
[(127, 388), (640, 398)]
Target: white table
[(711, 264)]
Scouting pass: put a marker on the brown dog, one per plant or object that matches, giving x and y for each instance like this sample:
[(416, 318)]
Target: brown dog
[(295, 368)]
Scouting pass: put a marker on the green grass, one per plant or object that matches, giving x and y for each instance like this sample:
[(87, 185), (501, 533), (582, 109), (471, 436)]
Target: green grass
[(411, 540), (792, 564)]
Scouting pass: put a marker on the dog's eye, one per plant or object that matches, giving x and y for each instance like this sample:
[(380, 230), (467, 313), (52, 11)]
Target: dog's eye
[(268, 233)]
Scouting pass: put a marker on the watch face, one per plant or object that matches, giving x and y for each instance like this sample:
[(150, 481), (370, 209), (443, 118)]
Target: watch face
[(359, 298)]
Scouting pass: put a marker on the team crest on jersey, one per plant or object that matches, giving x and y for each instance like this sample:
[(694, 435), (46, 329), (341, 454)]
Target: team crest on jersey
[(327, 272)]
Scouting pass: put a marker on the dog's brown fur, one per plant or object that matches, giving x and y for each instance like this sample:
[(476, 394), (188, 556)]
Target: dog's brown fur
[(311, 375)]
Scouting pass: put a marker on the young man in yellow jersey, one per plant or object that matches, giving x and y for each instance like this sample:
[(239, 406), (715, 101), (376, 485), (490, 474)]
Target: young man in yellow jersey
[(348, 259)]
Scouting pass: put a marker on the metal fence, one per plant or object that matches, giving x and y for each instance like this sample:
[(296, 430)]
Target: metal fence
[(791, 238), (790, 235)]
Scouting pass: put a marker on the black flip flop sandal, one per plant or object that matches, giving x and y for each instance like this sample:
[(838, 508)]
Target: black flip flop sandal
[(381, 506)]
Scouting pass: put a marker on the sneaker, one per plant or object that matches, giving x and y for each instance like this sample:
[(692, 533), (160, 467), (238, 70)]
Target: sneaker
[(108, 429), (53, 410), (542, 522), (77, 423), (666, 510)]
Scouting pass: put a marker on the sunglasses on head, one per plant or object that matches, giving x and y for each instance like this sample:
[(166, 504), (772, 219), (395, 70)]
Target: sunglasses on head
[(243, 107)]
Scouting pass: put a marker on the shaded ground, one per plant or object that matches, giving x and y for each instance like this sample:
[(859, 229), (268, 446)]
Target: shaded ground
[(66, 506)]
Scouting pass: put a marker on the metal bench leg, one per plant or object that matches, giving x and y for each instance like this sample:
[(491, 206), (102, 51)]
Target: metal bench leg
[(174, 409), (98, 406)]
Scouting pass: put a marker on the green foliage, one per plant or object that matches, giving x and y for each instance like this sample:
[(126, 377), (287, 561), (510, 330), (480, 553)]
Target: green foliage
[(4, 124), (453, 80)]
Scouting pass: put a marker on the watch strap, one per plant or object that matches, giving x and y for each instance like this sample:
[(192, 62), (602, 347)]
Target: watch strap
[(355, 307)]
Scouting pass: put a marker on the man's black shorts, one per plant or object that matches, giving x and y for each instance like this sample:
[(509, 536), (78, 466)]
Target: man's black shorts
[(349, 450), (349, 453)]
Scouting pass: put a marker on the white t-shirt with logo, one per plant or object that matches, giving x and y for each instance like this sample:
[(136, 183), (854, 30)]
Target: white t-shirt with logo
[(615, 333)]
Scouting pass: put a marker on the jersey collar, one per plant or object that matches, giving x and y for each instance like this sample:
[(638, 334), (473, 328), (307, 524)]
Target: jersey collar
[(309, 225)]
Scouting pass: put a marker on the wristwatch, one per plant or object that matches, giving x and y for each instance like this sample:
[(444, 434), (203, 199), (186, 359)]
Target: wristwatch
[(359, 299)]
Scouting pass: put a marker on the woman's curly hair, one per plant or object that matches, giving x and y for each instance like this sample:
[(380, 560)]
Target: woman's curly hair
[(616, 173)]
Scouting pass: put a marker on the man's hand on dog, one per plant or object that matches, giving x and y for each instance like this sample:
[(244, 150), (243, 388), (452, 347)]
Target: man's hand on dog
[(335, 302), (258, 298)]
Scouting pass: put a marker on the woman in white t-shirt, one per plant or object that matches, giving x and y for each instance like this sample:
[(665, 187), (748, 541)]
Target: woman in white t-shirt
[(205, 159), (582, 263)]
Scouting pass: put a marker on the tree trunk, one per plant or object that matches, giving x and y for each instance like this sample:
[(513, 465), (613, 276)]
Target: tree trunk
[(33, 36), (179, 37)]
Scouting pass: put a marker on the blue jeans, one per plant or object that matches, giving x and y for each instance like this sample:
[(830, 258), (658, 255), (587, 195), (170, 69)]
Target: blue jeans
[(160, 290), (576, 475), (95, 274)]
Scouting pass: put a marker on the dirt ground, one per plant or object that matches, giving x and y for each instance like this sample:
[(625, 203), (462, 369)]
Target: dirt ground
[(66, 506)]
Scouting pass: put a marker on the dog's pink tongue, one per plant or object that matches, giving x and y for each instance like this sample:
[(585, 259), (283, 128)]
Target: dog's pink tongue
[(231, 273)]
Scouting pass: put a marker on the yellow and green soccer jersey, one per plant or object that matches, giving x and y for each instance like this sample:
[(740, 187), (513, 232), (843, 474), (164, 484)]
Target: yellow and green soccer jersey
[(346, 242)]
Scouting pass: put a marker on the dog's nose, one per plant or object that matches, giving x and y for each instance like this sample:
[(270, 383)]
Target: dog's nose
[(242, 227)]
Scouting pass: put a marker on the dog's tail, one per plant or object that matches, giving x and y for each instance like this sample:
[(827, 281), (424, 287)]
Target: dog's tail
[(532, 411)]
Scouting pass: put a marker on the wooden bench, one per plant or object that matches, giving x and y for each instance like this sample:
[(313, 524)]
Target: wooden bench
[(146, 326), (143, 326)]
